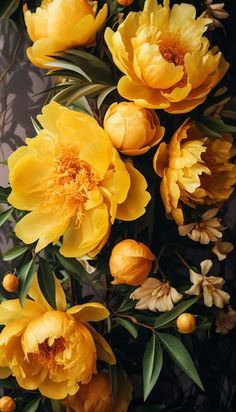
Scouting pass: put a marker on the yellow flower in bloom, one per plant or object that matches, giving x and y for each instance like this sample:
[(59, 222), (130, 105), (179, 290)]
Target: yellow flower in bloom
[(97, 396), (210, 286), (51, 350), (132, 130), (155, 295), (130, 262), (57, 25), (74, 183), (195, 169), (166, 61)]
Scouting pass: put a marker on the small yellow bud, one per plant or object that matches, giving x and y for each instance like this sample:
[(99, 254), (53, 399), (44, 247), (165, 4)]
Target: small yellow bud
[(133, 130), (10, 282), (186, 323), (130, 262), (7, 404), (125, 2)]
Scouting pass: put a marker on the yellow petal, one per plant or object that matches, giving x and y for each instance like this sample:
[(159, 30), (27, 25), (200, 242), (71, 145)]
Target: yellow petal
[(41, 49), (134, 205), (98, 155), (45, 228), (57, 390), (93, 228), (89, 312), (143, 96), (104, 351), (11, 310)]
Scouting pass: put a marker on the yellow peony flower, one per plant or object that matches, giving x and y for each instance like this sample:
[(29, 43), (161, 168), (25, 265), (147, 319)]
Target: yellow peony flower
[(195, 169), (51, 350), (74, 183), (132, 129), (166, 61), (130, 262), (57, 25), (97, 396)]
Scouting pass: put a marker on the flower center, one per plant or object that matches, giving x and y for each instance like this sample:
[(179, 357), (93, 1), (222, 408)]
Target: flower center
[(70, 183), (47, 352), (172, 50)]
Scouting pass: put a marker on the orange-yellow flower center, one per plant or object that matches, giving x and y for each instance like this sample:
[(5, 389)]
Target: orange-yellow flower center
[(71, 181), (173, 50), (46, 353)]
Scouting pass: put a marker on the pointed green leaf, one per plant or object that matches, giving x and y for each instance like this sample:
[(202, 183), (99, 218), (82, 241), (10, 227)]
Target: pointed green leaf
[(81, 105), (180, 356), (14, 252), (47, 282), (152, 364), (103, 95), (176, 311), (88, 90), (129, 326), (8, 8), (68, 66), (35, 124), (32, 406), (5, 215), (26, 277)]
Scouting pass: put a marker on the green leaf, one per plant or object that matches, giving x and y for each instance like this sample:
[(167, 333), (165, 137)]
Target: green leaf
[(175, 312), (26, 277), (213, 126), (36, 125), (180, 356), (8, 8), (129, 326), (5, 215), (14, 252), (32, 406), (103, 95), (152, 364), (56, 405), (47, 282), (76, 269), (4, 193), (88, 90), (81, 105), (68, 66)]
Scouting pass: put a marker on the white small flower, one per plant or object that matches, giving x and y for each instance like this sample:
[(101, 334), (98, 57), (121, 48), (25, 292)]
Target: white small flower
[(210, 285), (209, 229), (215, 12), (221, 249), (155, 295), (225, 321)]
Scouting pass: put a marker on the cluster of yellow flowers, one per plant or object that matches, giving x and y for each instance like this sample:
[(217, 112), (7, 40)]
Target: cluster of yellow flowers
[(74, 180)]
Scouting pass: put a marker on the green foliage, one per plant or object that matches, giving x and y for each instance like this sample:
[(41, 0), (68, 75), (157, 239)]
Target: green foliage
[(47, 282), (4, 216), (180, 356), (7, 8), (14, 252), (167, 317), (129, 326), (26, 276), (152, 364)]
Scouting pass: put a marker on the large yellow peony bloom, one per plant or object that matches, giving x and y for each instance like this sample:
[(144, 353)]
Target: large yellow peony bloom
[(51, 350), (74, 183), (57, 25), (166, 61), (195, 169), (96, 396)]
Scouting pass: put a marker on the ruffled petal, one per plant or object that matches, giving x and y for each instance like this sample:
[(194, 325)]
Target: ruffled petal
[(89, 312)]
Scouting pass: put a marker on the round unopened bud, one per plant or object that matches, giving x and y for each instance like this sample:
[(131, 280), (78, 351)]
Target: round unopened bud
[(125, 2), (10, 282), (7, 404), (130, 262), (186, 323)]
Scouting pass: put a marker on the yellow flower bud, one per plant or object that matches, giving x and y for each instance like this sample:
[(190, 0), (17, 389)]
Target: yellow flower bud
[(7, 404), (130, 262), (186, 323), (125, 2), (10, 282), (132, 129)]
